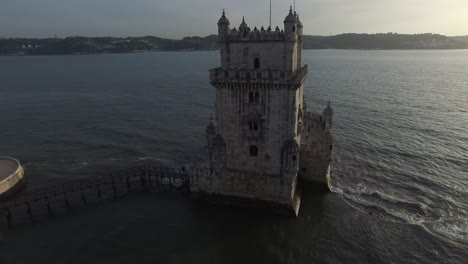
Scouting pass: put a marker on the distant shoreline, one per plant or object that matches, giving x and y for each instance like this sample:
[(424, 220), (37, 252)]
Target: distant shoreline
[(112, 45), (177, 51)]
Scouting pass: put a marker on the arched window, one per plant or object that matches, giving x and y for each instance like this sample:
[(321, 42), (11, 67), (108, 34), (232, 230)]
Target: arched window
[(294, 29), (257, 63), (253, 151), (257, 97)]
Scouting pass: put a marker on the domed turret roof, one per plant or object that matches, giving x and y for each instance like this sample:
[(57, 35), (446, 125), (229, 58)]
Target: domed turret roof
[(211, 128), (328, 111), (243, 25), (291, 18), (291, 146), (223, 20), (299, 23)]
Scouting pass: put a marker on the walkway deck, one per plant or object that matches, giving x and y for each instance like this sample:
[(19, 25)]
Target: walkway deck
[(144, 176)]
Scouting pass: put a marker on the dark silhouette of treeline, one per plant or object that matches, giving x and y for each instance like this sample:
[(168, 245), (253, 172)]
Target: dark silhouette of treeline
[(384, 41), (463, 39), (86, 45)]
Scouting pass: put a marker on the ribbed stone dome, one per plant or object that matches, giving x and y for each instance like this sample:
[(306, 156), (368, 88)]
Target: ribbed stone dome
[(328, 111), (211, 128), (243, 25), (223, 20), (299, 23), (291, 18)]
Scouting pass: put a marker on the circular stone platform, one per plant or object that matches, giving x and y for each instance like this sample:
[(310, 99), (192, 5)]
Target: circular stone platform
[(8, 167), (11, 176)]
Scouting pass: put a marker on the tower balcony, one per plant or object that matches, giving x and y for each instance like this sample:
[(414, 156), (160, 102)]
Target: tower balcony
[(246, 76)]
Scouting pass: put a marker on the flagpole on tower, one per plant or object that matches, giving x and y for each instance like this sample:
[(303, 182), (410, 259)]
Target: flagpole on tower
[(270, 13), (294, 5)]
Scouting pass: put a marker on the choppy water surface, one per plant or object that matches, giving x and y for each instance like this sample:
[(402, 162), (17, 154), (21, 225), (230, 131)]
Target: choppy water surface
[(400, 184)]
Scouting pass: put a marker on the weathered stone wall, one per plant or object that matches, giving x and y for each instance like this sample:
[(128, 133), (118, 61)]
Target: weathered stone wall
[(271, 55), (254, 139), (316, 148), (244, 184), (277, 115)]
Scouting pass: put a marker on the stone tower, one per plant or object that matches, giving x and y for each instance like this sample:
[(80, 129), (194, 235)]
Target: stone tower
[(255, 137)]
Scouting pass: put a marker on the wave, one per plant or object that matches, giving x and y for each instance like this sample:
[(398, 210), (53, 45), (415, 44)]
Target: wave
[(438, 223)]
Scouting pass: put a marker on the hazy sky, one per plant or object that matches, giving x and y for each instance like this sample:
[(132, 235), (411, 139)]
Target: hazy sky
[(179, 18)]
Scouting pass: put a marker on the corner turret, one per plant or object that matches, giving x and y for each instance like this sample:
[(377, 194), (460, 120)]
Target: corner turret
[(243, 25), (223, 27), (328, 116), (290, 24), (300, 27)]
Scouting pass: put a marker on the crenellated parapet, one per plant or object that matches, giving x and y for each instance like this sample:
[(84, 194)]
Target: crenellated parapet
[(257, 35), (292, 31)]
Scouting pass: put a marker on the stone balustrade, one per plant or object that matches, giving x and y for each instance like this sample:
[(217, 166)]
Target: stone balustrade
[(245, 76)]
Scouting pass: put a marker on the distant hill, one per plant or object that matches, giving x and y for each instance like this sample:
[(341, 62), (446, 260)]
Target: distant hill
[(87, 45), (383, 41), (463, 39)]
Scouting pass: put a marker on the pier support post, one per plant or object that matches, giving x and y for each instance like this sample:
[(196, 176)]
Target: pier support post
[(8, 216), (99, 191), (83, 197), (29, 211), (113, 188), (129, 186), (142, 180), (49, 209), (67, 203)]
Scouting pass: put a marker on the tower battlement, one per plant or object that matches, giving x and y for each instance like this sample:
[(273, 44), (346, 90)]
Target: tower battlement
[(260, 35), (292, 31)]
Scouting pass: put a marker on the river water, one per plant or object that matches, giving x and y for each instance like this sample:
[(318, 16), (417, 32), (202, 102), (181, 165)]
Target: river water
[(399, 188)]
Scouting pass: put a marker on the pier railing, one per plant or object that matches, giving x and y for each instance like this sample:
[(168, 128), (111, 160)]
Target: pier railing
[(144, 176)]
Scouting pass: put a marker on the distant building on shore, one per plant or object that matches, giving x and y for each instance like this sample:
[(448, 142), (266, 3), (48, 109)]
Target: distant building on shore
[(262, 138)]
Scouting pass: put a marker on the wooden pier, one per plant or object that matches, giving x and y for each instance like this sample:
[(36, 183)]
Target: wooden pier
[(144, 177)]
